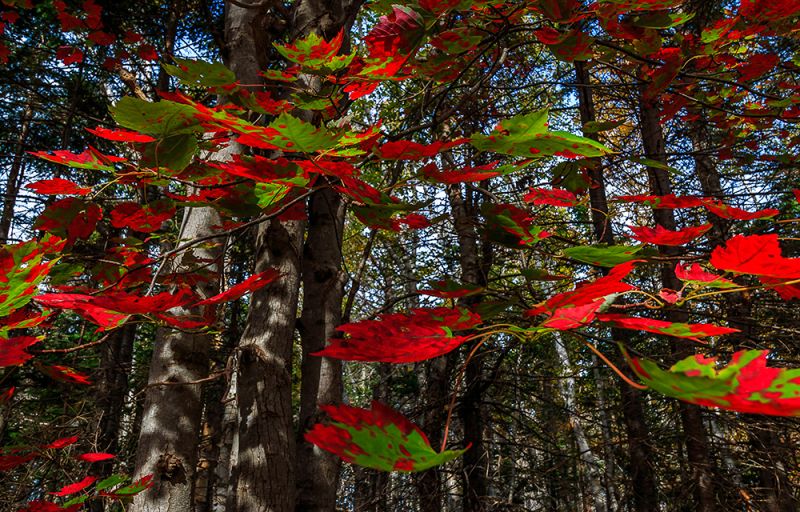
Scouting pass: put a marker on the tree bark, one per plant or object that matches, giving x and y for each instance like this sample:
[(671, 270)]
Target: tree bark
[(171, 416), (643, 486), (323, 290), (696, 438), (264, 476), (475, 459), (15, 174)]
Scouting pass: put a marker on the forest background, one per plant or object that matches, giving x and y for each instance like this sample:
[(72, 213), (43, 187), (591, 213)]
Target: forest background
[(543, 250)]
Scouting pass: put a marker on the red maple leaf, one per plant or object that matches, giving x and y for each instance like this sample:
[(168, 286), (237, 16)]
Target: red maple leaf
[(755, 254), (95, 456), (417, 335), (250, 284), (58, 186), (663, 236), (76, 487), (552, 197), (143, 218)]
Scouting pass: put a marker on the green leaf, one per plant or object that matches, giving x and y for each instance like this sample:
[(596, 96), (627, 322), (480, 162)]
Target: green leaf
[(160, 119), (109, 482), (602, 255), (198, 73), (527, 135), (174, 152), (662, 20), (601, 126), (296, 135)]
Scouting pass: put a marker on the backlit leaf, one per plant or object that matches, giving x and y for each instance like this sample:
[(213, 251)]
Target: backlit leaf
[(746, 384), (527, 135), (417, 335), (378, 438)]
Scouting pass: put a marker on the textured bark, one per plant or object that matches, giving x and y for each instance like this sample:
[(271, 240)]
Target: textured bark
[(171, 416), (475, 459), (774, 483), (111, 384), (264, 473), (323, 290), (590, 461), (695, 436), (263, 477), (15, 174), (643, 486)]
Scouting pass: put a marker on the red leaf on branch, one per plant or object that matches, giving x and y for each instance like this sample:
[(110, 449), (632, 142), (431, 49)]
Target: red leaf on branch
[(695, 272), (69, 55), (76, 487), (676, 329), (120, 135), (755, 254), (663, 236), (552, 197), (58, 186), (8, 462), (725, 211), (65, 374), (250, 284), (417, 335), (378, 438), (12, 350), (59, 444), (588, 293), (95, 456), (143, 218), (572, 317)]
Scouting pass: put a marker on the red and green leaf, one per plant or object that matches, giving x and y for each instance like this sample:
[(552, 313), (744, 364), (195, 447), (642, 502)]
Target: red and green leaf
[(662, 236), (693, 332), (746, 384), (378, 438)]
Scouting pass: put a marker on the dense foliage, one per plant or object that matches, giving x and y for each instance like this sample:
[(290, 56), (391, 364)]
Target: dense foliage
[(524, 226)]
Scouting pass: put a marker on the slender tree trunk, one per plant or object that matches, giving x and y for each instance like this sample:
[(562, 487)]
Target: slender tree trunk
[(323, 289), (773, 480), (472, 266), (174, 13), (15, 174), (590, 461), (171, 416), (643, 481), (696, 438), (116, 357)]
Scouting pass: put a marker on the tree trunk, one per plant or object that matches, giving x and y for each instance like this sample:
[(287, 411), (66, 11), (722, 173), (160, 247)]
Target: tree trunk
[(323, 290), (475, 459), (590, 461), (15, 174), (773, 481), (696, 438), (171, 416), (643, 486), (264, 474)]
